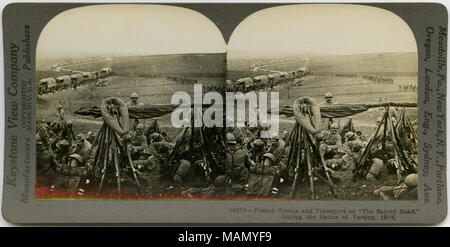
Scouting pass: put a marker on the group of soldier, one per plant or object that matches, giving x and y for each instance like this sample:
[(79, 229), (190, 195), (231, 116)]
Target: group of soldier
[(407, 87), (181, 79), (254, 165)]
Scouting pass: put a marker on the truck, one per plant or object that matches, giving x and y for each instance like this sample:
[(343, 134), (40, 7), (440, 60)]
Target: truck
[(63, 81), (47, 85)]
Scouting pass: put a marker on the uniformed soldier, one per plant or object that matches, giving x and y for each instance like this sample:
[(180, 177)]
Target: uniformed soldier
[(67, 131), (262, 176), (44, 133), (62, 151), (60, 113), (377, 170), (133, 102), (81, 146), (137, 142), (285, 136), (327, 102), (90, 137), (330, 143), (405, 191), (238, 165), (153, 127)]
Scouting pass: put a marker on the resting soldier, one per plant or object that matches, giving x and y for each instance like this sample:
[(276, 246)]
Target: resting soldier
[(137, 142), (90, 137), (258, 149), (62, 151), (81, 146), (61, 115), (277, 146), (405, 191), (262, 176), (328, 102)]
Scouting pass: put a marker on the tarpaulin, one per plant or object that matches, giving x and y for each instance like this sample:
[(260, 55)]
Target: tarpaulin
[(344, 110)]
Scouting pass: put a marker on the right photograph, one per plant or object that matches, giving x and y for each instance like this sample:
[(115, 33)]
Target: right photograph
[(345, 80)]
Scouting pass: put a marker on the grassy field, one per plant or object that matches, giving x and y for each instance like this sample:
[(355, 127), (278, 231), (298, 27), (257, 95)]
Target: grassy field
[(401, 67), (193, 65), (384, 64)]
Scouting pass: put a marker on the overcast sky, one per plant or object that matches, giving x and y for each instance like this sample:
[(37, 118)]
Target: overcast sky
[(131, 29), (333, 29)]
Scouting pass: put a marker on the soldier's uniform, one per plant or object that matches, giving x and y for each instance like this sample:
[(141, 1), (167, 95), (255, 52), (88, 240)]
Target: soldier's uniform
[(376, 170), (277, 147), (258, 149), (44, 133), (90, 137), (262, 176), (405, 191), (67, 131), (62, 151), (237, 166), (330, 143), (82, 147)]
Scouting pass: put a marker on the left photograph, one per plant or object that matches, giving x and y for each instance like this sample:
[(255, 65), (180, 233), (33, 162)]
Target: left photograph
[(106, 76)]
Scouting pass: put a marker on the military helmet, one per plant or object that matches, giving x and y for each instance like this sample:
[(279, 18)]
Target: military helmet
[(90, 133), (60, 106), (186, 122), (320, 136), (411, 180), (221, 181), (231, 139), (328, 95), (379, 120), (140, 127), (69, 123), (163, 134), (156, 137), (334, 126), (349, 136), (80, 137), (357, 146), (134, 96), (63, 144), (77, 157)]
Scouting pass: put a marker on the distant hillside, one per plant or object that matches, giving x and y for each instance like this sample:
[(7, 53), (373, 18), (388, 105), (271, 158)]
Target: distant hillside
[(195, 65), (241, 54), (380, 63)]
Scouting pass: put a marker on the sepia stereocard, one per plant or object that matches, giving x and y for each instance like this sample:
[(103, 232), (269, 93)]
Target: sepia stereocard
[(339, 83)]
